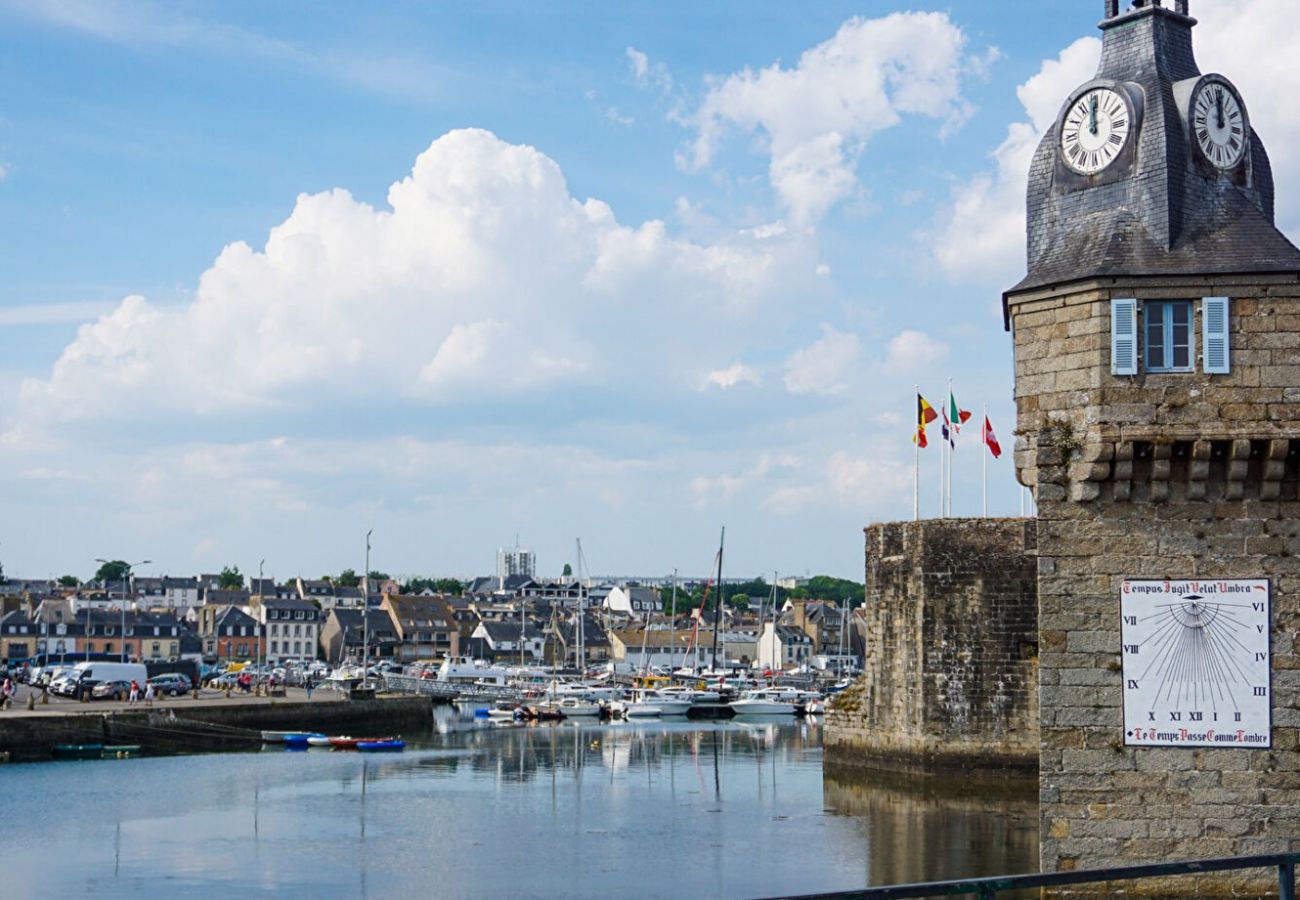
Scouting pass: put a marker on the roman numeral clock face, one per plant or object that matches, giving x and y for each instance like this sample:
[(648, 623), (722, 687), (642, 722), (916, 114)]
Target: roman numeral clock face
[(1219, 124), (1096, 128), (1196, 663)]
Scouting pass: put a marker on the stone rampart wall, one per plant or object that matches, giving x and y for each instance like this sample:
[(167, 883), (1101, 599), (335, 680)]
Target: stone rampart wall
[(951, 643)]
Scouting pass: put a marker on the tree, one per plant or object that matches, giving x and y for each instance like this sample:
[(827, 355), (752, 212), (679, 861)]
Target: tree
[(230, 579), (376, 575), (437, 585), (347, 578), (69, 581), (451, 586), (113, 571), (568, 571)]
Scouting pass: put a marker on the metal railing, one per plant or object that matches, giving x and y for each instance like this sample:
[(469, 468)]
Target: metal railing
[(445, 690), (988, 888)]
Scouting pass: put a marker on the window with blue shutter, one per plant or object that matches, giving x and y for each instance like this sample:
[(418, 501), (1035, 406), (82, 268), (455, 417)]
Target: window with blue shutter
[(1216, 350), (1123, 337), (1169, 335)]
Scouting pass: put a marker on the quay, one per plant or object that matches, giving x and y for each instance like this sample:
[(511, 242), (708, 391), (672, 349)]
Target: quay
[(213, 722)]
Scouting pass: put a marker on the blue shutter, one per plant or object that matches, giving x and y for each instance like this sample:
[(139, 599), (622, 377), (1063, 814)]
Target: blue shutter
[(1214, 326), (1123, 337)]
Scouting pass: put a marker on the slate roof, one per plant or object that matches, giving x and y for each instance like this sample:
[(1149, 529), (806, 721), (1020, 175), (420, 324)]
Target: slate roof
[(1158, 209), (500, 632)]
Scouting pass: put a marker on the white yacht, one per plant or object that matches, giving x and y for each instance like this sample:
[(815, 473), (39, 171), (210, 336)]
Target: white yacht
[(464, 669), (765, 702), (655, 703), (575, 707)]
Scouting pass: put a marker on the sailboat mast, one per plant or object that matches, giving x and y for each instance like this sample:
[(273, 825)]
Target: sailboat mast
[(672, 629), (582, 615), (717, 612)]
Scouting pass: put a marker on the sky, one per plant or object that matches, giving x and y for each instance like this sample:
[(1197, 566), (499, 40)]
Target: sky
[(472, 274)]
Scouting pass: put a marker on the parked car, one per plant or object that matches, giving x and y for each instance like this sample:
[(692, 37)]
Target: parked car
[(225, 680), (173, 683), (111, 690)]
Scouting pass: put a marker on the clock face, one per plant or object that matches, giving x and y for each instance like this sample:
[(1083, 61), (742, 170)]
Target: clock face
[(1096, 128), (1196, 663), (1219, 124)]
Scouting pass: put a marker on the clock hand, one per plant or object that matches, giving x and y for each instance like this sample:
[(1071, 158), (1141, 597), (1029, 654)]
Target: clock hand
[(1218, 107), (1092, 114)]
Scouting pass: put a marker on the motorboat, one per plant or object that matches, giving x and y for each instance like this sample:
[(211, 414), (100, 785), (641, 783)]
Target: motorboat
[(655, 703), (765, 702), (319, 740), (575, 707)]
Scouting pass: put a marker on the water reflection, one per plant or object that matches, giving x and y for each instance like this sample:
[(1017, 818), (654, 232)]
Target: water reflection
[(931, 830), (586, 810)]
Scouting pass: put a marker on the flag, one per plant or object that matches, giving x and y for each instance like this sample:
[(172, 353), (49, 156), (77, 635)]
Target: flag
[(949, 431), (991, 440), (957, 415), (925, 414)]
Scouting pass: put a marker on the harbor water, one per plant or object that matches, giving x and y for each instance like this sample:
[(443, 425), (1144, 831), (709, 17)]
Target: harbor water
[(654, 809)]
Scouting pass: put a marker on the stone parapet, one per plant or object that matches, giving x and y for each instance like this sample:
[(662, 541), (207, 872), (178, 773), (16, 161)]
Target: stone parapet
[(951, 651)]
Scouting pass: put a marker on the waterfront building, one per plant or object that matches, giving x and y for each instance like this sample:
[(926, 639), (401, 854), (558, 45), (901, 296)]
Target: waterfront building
[(344, 635), (228, 633), (180, 593), (783, 647), (502, 639), (426, 627), (291, 627), (632, 600)]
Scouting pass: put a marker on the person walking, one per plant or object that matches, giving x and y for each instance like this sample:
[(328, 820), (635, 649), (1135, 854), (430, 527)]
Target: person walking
[(135, 691), (148, 693), (307, 683)]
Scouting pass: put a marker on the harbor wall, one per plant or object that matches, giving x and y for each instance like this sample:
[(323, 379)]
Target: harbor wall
[(950, 671), (181, 727)]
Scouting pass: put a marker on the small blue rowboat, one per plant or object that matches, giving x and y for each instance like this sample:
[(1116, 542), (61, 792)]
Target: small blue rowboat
[(300, 740), (392, 746)]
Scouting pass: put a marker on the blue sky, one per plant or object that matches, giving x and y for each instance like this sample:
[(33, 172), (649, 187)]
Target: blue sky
[(274, 274)]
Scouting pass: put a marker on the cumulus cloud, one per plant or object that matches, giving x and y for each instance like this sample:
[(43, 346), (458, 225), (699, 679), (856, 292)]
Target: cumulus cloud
[(914, 351), (733, 375), (817, 116), (482, 277), (982, 234), (823, 367), (646, 73)]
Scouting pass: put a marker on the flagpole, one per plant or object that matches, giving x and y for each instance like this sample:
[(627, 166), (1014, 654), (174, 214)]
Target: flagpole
[(984, 457), (916, 472), (952, 443), (943, 487)]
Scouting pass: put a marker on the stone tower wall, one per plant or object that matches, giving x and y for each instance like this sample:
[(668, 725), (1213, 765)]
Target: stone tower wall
[(951, 640), (1158, 476)]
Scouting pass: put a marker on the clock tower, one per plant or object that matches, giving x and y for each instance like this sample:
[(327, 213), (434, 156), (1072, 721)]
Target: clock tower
[(1157, 354)]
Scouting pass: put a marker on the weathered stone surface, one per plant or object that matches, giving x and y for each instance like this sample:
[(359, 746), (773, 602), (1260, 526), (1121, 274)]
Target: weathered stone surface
[(950, 675)]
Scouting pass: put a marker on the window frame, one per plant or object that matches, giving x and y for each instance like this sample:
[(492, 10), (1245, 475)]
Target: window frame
[(1166, 309)]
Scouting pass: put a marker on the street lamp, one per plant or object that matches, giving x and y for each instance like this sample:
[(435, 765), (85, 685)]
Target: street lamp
[(126, 586)]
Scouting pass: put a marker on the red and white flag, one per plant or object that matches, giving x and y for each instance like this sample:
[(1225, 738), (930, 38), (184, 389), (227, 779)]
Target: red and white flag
[(991, 440)]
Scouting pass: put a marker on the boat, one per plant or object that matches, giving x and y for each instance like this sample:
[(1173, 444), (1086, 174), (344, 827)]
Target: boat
[(653, 703), (319, 740), (575, 707), (119, 751), (78, 751), (300, 739), (275, 737), (764, 702), (391, 745)]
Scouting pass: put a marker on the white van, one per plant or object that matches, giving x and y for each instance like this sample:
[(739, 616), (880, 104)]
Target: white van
[(85, 675)]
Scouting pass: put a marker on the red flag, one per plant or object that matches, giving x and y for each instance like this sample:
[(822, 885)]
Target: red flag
[(991, 440)]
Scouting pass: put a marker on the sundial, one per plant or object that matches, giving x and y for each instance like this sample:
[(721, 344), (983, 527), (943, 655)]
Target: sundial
[(1196, 663)]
